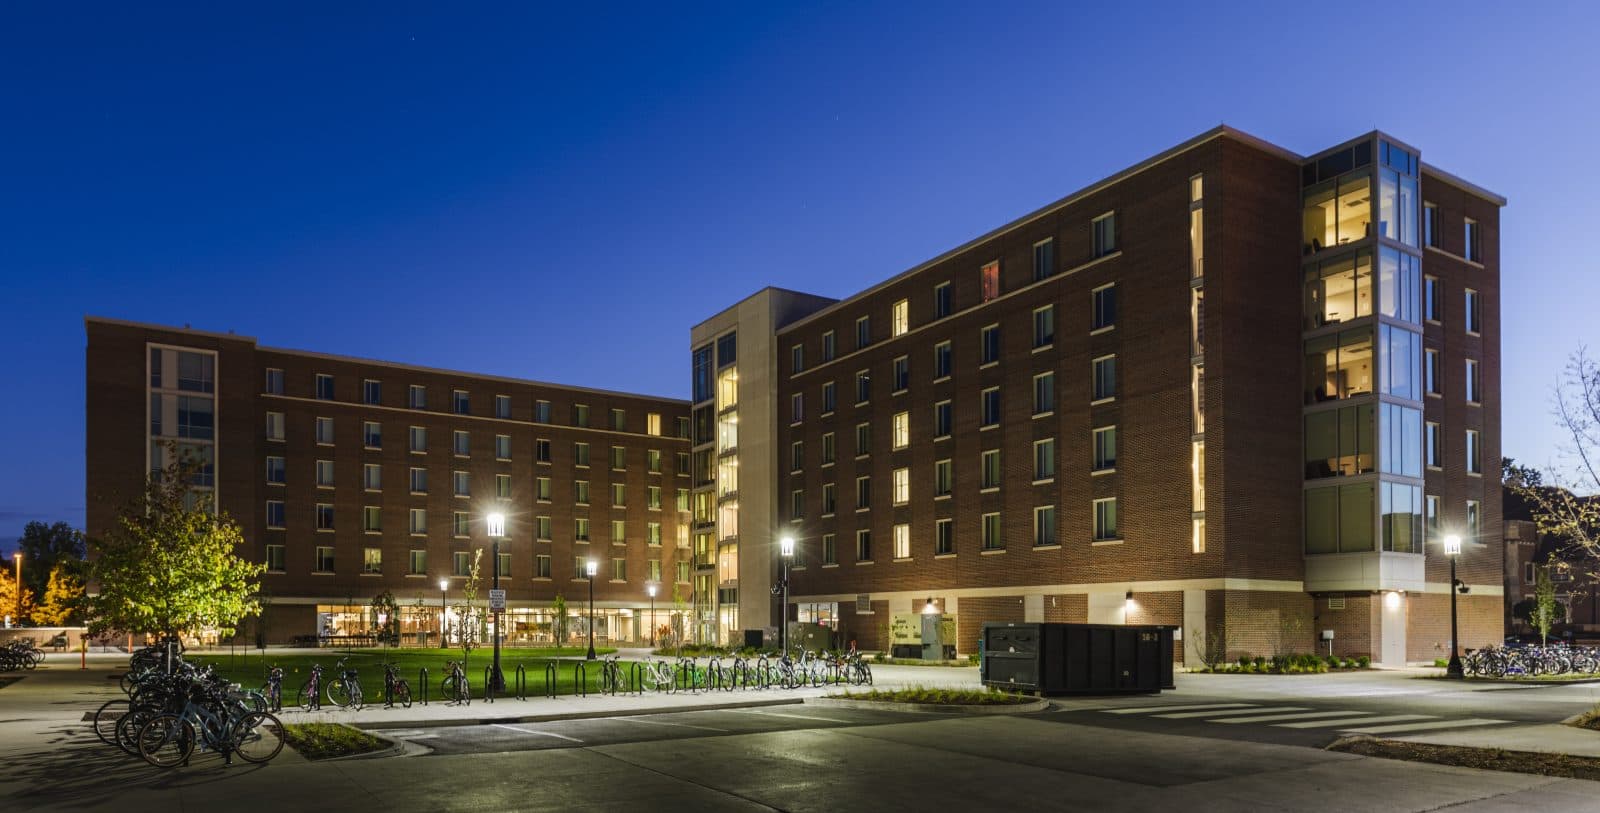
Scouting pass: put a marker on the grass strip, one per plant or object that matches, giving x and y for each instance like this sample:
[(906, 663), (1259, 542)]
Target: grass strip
[(1489, 759), (922, 695), (327, 740)]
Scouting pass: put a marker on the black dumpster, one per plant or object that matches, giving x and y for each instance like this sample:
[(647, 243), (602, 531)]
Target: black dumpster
[(1077, 658)]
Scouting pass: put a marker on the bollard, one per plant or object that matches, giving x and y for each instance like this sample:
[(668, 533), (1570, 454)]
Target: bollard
[(550, 679), (580, 679), (522, 682), (422, 678)]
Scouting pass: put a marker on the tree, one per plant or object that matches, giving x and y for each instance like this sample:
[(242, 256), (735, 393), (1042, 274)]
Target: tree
[(45, 546), (1553, 495), (470, 627), (1545, 606), (8, 598), (386, 618), (1211, 647), (558, 608), (171, 562), (63, 598)]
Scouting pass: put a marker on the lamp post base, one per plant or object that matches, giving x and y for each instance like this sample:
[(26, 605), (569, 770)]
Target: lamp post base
[(1454, 670)]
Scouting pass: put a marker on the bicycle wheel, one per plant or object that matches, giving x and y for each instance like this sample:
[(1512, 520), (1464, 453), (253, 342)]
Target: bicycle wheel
[(305, 696), (608, 681), (257, 737), (402, 694), (166, 740), (127, 736), (105, 720), (338, 693)]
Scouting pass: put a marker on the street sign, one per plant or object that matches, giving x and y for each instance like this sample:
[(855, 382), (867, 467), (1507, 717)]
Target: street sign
[(497, 599)]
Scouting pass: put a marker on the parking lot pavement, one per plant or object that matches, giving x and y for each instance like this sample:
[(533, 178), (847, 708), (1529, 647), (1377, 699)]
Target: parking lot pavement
[(649, 727)]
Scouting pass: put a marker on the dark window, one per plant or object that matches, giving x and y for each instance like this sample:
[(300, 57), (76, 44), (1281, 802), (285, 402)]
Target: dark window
[(1044, 326), (1105, 234), (1104, 313), (727, 350), (989, 345), (863, 332), (941, 300), (941, 360), (941, 419), (902, 373), (1044, 259), (990, 413), (702, 374)]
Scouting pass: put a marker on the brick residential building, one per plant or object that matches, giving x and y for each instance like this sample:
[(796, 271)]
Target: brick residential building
[(1229, 386), (350, 477)]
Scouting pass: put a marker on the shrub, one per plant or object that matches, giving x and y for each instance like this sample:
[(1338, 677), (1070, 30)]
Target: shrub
[(1363, 661), (1260, 661), (1244, 660), (1332, 662)]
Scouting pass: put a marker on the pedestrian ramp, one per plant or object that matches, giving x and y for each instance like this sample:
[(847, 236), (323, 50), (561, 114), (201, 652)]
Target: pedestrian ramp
[(1343, 721)]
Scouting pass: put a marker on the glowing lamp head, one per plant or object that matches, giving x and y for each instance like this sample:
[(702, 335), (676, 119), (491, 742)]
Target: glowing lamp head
[(591, 567), (786, 546), (650, 589), (1391, 600), (929, 607), (496, 525), (1452, 545), (444, 584)]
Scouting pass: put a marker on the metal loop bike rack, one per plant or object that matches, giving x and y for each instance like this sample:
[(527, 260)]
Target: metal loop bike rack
[(550, 679), (580, 679), (422, 678), (488, 684), (636, 678), (522, 682)]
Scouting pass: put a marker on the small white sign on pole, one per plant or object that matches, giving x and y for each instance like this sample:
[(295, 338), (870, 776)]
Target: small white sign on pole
[(497, 599)]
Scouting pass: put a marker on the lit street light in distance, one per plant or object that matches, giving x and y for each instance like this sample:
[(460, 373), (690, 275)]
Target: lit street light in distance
[(591, 567), (1452, 549)]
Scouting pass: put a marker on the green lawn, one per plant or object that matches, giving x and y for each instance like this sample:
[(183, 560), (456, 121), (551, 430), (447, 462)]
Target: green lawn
[(249, 670)]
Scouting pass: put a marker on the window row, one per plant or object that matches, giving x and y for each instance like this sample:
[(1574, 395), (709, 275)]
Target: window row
[(1046, 533), (461, 564), (461, 403), (1102, 388), (461, 524), (1102, 317), (1103, 461)]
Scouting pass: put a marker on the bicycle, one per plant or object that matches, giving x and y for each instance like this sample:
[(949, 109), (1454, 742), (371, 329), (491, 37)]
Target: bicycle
[(272, 689), (214, 722), (656, 674), (395, 688), (344, 691), (309, 697), (454, 685)]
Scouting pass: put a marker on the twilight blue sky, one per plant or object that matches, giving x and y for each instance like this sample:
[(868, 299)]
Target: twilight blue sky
[(559, 194)]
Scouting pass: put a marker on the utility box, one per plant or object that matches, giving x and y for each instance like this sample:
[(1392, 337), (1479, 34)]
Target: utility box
[(1077, 658), (938, 637)]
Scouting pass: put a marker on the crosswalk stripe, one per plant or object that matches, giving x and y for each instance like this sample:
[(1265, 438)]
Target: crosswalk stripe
[(1156, 709), (1273, 718), (538, 733), (1389, 729), (1388, 718), (1217, 712)]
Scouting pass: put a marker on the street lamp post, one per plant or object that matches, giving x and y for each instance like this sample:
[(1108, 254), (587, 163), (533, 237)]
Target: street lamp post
[(651, 589), (17, 619), (497, 530), (444, 584), (786, 551), (591, 567), (1452, 549)]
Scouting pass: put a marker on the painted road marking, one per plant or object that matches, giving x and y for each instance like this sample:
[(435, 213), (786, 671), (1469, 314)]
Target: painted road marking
[(664, 722), (1155, 709), (1273, 718), (1388, 729), (760, 713), (1389, 718), (539, 733), (1216, 712)]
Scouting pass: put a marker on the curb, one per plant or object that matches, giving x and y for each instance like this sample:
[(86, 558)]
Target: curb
[(396, 748), (571, 715), (1031, 707)]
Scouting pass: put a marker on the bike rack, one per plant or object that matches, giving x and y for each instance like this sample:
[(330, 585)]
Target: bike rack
[(580, 679), (522, 682), (684, 679), (422, 678), (488, 684), (636, 678), (550, 679), (714, 674)]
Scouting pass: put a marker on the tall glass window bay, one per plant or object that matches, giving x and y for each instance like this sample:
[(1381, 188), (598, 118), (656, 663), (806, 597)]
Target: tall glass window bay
[(1339, 442), (1397, 194), (1400, 441), (1338, 365), (1400, 362), (1399, 286), (1338, 290), (1337, 212)]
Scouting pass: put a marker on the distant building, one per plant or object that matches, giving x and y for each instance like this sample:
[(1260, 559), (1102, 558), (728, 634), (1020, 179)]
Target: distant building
[(350, 477)]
